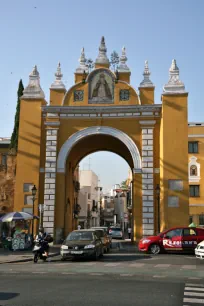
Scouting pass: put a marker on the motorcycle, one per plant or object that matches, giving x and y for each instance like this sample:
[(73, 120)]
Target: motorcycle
[(39, 251)]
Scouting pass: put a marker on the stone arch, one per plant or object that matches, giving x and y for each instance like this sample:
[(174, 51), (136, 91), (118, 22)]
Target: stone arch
[(98, 130)]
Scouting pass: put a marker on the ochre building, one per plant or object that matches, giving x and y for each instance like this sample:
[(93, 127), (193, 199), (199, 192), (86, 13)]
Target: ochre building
[(104, 111)]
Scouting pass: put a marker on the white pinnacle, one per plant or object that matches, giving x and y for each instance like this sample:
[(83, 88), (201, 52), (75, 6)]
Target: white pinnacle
[(123, 59), (146, 81), (58, 84), (82, 63), (33, 90), (102, 56), (174, 84)]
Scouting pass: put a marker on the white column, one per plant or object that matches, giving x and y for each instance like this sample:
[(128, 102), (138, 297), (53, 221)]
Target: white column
[(50, 180), (147, 177)]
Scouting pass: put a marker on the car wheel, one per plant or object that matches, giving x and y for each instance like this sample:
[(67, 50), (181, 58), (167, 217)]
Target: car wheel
[(63, 259), (154, 249)]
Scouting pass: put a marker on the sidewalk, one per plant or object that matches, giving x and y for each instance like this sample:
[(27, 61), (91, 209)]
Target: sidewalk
[(128, 246), (7, 256)]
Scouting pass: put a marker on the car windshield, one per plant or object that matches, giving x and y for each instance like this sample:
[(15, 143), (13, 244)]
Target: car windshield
[(80, 236), (117, 229), (100, 233), (101, 229)]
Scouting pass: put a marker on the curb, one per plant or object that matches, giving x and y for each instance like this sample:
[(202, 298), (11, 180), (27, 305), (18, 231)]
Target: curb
[(27, 259)]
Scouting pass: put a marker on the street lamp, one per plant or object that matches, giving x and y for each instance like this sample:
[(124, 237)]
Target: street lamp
[(34, 191), (158, 205)]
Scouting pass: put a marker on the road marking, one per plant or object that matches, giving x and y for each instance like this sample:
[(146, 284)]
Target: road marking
[(88, 264), (189, 300), (96, 274), (188, 267), (197, 278), (190, 296), (194, 285), (39, 272), (194, 288), (126, 274), (159, 276), (137, 265), (162, 266), (68, 273), (194, 293), (112, 264)]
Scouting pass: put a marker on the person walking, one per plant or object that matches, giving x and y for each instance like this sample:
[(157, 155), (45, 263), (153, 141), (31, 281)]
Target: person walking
[(79, 227), (129, 232)]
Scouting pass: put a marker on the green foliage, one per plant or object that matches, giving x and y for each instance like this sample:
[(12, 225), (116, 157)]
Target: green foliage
[(114, 60), (90, 64), (123, 184), (14, 137)]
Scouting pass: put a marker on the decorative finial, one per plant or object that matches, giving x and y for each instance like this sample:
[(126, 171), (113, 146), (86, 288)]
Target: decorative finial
[(174, 85), (146, 82), (82, 63), (102, 56), (123, 59), (58, 84), (33, 90)]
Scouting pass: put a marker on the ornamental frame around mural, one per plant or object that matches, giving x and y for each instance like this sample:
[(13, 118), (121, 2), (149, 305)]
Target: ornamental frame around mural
[(90, 80)]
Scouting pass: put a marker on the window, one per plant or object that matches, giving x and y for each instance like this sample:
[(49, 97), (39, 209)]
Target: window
[(193, 171), (27, 187), (189, 232), (89, 196), (175, 185), (124, 95), (174, 233), (190, 219), (4, 159), (28, 200), (194, 190), (201, 219), (193, 147), (78, 95)]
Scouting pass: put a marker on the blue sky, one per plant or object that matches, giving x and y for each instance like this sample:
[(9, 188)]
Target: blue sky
[(45, 32)]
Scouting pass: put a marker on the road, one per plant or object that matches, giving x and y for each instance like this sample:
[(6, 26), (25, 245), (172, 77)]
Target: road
[(119, 278)]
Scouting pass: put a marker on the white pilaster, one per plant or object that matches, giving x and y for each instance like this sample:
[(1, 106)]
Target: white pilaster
[(50, 180), (147, 177)]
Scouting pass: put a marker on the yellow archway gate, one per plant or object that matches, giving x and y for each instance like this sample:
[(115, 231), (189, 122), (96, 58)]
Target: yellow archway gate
[(102, 111)]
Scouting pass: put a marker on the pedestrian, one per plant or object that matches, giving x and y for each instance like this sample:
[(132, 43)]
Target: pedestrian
[(79, 227), (129, 232)]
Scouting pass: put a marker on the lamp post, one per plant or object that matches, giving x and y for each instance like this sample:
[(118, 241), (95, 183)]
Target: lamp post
[(34, 191), (158, 205)]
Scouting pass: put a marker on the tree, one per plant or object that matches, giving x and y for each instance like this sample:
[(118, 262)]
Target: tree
[(14, 137), (114, 60), (89, 64), (123, 184)]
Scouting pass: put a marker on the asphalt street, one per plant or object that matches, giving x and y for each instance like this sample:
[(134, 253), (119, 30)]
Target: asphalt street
[(74, 290), (119, 278)]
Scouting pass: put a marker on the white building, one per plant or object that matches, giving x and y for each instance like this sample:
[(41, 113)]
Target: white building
[(89, 199)]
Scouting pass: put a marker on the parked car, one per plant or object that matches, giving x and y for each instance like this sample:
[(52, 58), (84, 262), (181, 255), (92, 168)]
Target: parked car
[(104, 237), (116, 232), (199, 250), (177, 239), (82, 243)]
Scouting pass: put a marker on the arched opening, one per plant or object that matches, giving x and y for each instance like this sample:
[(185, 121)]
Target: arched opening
[(77, 147), (193, 170), (104, 197)]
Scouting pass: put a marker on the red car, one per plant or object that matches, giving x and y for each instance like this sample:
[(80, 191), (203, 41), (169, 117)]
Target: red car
[(183, 239)]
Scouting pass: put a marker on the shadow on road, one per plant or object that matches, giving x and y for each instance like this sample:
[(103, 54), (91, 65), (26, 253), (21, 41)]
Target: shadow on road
[(4, 296)]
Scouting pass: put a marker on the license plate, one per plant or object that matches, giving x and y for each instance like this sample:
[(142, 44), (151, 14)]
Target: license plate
[(76, 252)]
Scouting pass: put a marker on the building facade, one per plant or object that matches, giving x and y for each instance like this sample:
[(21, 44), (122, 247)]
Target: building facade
[(104, 111), (7, 176), (89, 199)]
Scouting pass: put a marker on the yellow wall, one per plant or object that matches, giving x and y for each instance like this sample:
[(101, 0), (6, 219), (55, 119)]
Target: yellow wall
[(29, 151), (146, 95), (174, 159)]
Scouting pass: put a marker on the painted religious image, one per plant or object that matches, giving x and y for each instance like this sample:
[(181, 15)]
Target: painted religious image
[(101, 89)]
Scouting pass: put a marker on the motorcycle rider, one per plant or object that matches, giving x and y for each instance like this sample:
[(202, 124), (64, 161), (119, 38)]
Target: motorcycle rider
[(42, 238)]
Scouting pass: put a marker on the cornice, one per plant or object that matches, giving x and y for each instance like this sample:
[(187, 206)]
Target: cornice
[(101, 109)]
